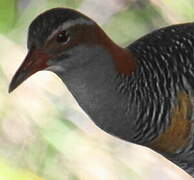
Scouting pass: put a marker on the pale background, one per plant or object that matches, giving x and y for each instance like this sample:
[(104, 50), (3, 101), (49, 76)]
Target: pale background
[(44, 135)]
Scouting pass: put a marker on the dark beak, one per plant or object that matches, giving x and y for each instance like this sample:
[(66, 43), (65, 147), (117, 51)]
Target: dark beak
[(35, 61)]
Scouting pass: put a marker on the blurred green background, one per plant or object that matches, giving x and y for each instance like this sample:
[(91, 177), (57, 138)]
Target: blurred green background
[(44, 135)]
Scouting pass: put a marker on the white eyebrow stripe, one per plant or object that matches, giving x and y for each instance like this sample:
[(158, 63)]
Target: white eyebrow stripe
[(66, 25)]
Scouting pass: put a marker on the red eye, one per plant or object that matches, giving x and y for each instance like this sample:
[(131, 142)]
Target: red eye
[(62, 37)]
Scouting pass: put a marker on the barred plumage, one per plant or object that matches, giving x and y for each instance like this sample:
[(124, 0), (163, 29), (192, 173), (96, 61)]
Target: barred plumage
[(166, 68), (143, 93)]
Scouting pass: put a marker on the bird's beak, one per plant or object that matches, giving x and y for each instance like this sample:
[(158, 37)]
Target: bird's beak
[(35, 61)]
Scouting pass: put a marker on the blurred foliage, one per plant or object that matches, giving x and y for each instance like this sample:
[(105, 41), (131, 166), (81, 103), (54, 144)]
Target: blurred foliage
[(41, 134), (9, 173), (65, 3), (139, 18), (183, 8), (7, 15)]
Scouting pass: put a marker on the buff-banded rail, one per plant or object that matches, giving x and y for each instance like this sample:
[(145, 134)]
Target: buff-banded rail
[(143, 93)]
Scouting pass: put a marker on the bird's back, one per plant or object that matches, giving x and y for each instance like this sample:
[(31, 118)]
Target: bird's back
[(164, 87)]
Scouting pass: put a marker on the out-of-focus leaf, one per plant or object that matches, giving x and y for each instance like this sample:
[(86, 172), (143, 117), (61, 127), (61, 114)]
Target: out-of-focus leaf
[(9, 173), (7, 15), (181, 8), (132, 23)]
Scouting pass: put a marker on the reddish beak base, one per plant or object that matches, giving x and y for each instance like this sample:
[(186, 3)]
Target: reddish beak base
[(36, 60)]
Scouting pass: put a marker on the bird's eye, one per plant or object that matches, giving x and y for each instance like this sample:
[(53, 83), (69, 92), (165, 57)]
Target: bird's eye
[(62, 37)]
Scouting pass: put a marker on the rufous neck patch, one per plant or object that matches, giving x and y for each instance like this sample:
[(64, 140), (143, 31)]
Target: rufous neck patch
[(124, 60)]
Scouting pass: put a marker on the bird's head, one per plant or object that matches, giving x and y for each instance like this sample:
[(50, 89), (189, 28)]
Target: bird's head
[(52, 38), (61, 39)]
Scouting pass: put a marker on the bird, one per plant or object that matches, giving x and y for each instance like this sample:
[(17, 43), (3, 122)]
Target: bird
[(142, 93)]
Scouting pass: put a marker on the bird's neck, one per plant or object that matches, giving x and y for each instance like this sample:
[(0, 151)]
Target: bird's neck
[(95, 85)]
